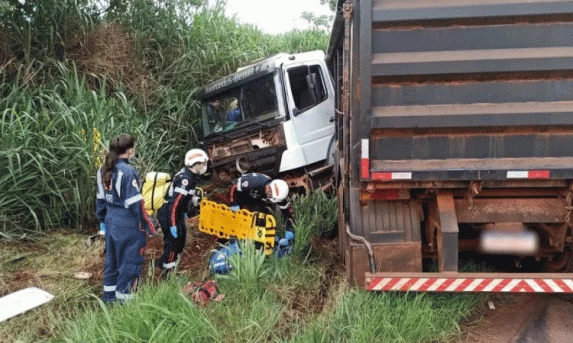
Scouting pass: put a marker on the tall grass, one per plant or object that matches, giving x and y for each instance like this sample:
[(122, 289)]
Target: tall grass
[(137, 78), (360, 316), (50, 143), (316, 215)]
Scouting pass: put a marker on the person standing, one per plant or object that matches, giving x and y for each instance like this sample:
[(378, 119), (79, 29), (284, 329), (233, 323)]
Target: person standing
[(122, 216), (171, 214)]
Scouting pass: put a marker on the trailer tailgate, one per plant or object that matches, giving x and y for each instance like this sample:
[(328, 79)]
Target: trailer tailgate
[(486, 95)]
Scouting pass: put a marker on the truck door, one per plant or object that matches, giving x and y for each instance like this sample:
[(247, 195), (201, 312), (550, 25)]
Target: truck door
[(311, 108)]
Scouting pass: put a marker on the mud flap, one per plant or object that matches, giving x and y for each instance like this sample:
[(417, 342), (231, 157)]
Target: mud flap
[(218, 220)]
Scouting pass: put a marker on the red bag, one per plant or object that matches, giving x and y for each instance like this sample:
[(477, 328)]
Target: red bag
[(203, 291)]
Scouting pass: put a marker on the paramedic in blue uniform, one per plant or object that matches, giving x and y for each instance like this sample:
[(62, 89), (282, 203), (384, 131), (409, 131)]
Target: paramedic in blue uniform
[(171, 215), (255, 192), (122, 216)]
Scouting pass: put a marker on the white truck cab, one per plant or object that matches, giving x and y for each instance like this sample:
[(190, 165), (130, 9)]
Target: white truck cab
[(274, 116)]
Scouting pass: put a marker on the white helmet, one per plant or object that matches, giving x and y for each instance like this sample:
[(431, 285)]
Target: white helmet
[(194, 156), (279, 190)]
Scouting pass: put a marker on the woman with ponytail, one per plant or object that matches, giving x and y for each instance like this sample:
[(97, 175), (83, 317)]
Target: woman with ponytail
[(123, 220)]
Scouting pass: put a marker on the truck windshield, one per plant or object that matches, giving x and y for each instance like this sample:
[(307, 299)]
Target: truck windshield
[(250, 102)]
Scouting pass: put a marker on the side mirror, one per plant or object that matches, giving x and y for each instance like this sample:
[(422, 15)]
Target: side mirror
[(295, 111)]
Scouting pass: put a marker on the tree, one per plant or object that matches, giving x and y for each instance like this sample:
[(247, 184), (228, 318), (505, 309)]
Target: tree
[(331, 4), (318, 23)]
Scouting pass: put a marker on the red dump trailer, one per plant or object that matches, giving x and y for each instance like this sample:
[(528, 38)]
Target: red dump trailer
[(454, 128)]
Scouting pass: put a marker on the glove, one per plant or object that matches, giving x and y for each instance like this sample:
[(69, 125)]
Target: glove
[(289, 236), (235, 208), (102, 228), (173, 230)]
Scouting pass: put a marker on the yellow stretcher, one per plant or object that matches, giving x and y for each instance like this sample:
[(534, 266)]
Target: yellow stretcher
[(219, 220)]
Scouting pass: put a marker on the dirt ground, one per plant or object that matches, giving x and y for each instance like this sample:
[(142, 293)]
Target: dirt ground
[(525, 318), (195, 258)]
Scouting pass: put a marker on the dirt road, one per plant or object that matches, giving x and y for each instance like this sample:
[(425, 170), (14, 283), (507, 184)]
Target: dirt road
[(526, 318)]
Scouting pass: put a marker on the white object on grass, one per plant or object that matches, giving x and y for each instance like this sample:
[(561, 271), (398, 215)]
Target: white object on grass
[(21, 301)]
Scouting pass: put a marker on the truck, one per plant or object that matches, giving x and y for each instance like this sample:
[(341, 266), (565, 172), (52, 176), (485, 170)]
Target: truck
[(454, 131), (274, 116)]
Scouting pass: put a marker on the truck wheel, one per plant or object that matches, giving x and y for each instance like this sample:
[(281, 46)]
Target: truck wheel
[(561, 263)]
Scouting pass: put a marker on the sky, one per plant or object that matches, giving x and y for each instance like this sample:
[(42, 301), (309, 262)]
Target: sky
[(273, 16)]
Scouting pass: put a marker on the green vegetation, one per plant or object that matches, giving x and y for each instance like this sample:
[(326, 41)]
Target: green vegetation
[(299, 298), (73, 76)]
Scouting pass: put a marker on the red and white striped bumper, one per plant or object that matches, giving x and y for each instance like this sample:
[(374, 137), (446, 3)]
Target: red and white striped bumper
[(502, 283)]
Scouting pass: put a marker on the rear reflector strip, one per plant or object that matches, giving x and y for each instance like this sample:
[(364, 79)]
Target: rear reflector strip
[(528, 174), (493, 285), (365, 168), (392, 176), (365, 160)]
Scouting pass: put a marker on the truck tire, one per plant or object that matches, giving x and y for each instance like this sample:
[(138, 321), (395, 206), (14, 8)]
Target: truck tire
[(561, 263)]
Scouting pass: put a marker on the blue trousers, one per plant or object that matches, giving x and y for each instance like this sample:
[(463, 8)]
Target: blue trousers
[(124, 255)]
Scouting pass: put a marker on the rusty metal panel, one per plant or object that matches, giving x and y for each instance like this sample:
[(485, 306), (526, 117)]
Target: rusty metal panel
[(471, 61), (463, 66), (471, 37), (447, 233), (486, 92), (391, 221), (400, 257), (477, 146), (474, 115), (418, 10), (508, 210)]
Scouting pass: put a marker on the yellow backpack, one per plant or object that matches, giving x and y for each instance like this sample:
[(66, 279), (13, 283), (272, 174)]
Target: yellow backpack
[(155, 186)]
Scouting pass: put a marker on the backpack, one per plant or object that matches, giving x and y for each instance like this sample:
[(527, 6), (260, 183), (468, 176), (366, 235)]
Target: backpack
[(203, 291), (155, 186)]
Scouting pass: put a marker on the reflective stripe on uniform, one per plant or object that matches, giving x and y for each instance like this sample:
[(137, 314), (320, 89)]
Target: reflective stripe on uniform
[(133, 199), (284, 207), (100, 193), (181, 191), (109, 288), (169, 265), (122, 296), (239, 185), (118, 183)]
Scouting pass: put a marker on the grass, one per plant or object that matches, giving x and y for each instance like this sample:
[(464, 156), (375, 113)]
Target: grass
[(293, 299), (360, 316), (49, 262), (76, 78)]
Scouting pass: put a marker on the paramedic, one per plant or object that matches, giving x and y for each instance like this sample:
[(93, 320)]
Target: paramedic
[(255, 191), (172, 213), (120, 210)]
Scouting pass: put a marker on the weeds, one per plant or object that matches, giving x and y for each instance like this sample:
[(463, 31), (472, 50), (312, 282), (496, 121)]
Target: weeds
[(81, 79)]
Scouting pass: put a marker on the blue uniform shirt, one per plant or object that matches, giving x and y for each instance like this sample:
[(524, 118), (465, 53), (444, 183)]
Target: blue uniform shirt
[(125, 192)]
